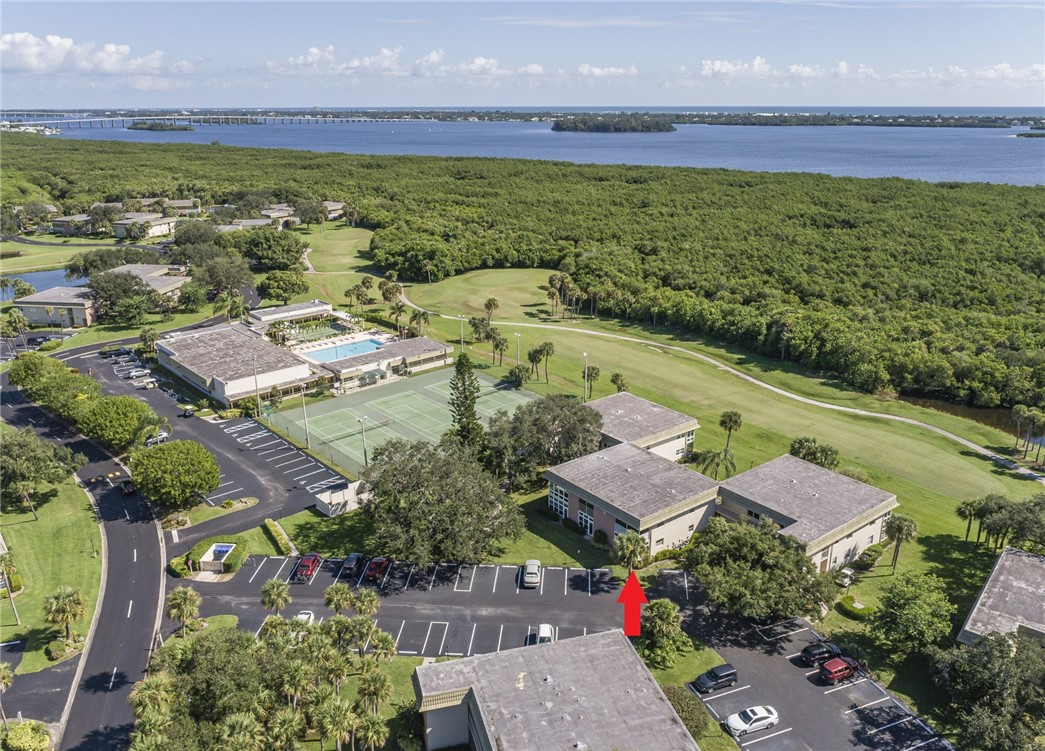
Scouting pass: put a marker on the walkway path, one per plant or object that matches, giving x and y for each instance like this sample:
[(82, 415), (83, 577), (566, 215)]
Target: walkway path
[(1003, 461)]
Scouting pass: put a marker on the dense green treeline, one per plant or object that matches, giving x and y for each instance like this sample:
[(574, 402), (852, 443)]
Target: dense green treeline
[(624, 123), (893, 284)]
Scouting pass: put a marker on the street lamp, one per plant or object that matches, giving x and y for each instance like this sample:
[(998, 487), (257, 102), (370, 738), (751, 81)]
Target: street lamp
[(584, 389), (362, 424), (257, 394), (518, 339), (304, 413), (461, 319)]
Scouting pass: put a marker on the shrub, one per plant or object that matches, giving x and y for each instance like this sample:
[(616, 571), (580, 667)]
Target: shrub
[(233, 561), (548, 513), (690, 709), (230, 414), (600, 539), (174, 521), (873, 551), (50, 346), (573, 526), (228, 504), (663, 555), (178, 566), (14, 580), (56, 649), (278, 537), (848, 607), (30, 735)]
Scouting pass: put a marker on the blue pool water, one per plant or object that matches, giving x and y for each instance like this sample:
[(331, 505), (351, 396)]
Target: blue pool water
[(341, 351)]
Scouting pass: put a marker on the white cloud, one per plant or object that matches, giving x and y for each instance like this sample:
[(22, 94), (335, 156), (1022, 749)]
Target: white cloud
[(25, 52), (590, 71), (578, 23), (757, 68), (533, 69)]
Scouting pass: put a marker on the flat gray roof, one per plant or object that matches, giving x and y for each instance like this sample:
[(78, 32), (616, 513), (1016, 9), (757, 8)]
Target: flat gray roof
[(590, 692), (627, 417), (225, 351), (408, 348), (633, 480), (1013, 596), (138, 216), (817, 500), (72, 218), (61, 295), (147, 269), (298, 308)]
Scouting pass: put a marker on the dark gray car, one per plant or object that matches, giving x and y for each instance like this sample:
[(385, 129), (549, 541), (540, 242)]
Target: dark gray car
[(718, 677)]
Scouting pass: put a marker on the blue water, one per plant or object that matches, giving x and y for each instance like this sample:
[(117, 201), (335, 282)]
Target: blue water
[(42, 280), (993, 155), (342, 351)]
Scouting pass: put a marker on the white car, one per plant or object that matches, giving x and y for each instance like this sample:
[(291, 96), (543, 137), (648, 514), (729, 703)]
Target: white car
[(751, 719), (545, 634), (305, 617), (160, 437), (531, 574)]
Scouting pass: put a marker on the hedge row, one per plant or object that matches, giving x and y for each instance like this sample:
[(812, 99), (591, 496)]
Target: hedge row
[(233, 561), (847, 606), (278, 537), (690, 709)]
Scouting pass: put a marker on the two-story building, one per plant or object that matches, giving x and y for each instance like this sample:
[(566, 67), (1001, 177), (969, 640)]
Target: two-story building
[(164, 280), (58, 306), (627, 418)]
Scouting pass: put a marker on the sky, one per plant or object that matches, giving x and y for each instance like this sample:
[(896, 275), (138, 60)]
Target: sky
[(150, 53)]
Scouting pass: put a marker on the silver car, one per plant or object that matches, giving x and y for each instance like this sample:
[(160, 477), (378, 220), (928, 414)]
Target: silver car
[(751, 719), (531, 574)]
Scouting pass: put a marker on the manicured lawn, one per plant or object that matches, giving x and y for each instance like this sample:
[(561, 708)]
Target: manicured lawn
[(62, 548), (103, 333), (335, 247), (214, 622), (41, 257), (331, 537), (259, 542), (204, 512), (518, 291)]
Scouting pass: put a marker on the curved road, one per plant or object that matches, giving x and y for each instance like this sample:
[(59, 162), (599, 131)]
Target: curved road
[(998, 458)]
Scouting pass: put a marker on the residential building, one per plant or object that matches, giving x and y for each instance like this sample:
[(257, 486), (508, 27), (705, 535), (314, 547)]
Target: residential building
[(69, 226), (58, 306), (231, 362), (155, 225), (627, 418), (626, 487), (1012, 599), (591, 693), (832, 516), (166, 280), (184, 207), (335, 209)]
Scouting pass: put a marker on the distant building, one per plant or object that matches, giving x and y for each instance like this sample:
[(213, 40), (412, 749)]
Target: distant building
[(625, 487), (388, 358), (627, 418), (590, 693), (301, 311), (833, 516), (335, 209), (165, 280), (62, 306), (156, 225), (69, 226), (1012, 599)]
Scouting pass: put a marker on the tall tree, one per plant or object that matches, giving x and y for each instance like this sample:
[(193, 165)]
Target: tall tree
[(662, 636), (397, 310), (547, 350), (617, 379), (275, 595), (490, 306), (64, 607), (283, 285), (373, 732), (337, 597), (900, 529), (464, 395), (148, 337), (419, 319), (729, 421), (1020, 412), (183, 605), (176, 473), (631, 550), (713, 460), (7, 676), (914, 613), (812, 451), (29, 461), (225, 273), (534, 357)]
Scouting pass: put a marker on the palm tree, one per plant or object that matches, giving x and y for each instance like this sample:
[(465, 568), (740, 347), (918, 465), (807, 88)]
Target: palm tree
[(64, 607), (427, 266), (900, 529), (553, 298), (50, 314), (729, 421), (361, 632), (19, 323), (631, 549), (5, 285), (373, 731), (277, 331), (534, 356), (397, 310), (338, 597), (383, 646), (547, 350), (148, 337), (367, 282), (7, 677), (285, 727), (296, 680), (183, 605), (490, 306), (714, 460), (222, 303), (338, 671), (242, 731), (591, 375), (419, 319), (327, 721), (374, 688), (365, 602), (617, 379), (967, 510), (344, 726), (150, 424), (153, 693), (26, 490), (500, 345), (275, 595), (1020, 412), (142, 742)]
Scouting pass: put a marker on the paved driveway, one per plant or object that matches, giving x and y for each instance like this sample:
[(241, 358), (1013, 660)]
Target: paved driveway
[(446, 609)]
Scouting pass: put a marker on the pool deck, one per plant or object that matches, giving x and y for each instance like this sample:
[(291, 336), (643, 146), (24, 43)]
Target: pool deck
[(303, 350)]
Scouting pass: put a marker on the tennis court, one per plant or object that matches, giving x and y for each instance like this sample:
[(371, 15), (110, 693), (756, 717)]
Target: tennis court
[(415, 409)]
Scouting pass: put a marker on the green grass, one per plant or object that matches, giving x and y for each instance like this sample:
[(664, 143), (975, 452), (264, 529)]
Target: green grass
[(258, 541), (204, 512), (331, 537), (214, 622), (43, 257), (104, 333), (517, 290), (62, 548), (336, 249), (687, 667)]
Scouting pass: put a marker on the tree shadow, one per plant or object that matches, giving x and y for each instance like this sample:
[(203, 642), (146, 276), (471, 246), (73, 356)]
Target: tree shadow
[(994, 467), (110, 737), (104, 682), (963, 565)]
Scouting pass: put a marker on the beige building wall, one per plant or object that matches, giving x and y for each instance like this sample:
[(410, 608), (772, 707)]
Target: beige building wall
[(241, 387), (446, 727), (61, 315), (672, 448), (677, 531)]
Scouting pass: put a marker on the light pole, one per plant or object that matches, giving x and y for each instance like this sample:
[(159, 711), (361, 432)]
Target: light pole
[(257, 394), (461, 320), (584, 388), (304, 413), (518, 356), (362, 424)]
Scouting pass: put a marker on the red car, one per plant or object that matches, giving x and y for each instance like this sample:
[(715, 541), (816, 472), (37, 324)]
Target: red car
[(376, 570), (307, 566), (838, 669)]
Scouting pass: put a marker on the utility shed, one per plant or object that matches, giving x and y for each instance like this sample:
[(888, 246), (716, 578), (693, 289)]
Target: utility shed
[(1012, 599), (590, 693)]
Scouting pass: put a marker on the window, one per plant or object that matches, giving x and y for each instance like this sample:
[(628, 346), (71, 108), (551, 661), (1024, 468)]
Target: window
[(690, 527), (659, 542), (753, 515), (587, 522), (558, 501), (824, 552), (870, 540)]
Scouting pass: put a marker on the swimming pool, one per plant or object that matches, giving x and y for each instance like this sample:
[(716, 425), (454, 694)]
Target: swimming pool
[(341, 351)]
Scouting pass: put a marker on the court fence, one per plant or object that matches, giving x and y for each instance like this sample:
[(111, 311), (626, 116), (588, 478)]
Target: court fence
[(320, 446)]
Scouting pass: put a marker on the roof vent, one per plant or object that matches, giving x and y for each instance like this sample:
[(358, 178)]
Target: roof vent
[(793, 480), (547, 679), (580, 746)]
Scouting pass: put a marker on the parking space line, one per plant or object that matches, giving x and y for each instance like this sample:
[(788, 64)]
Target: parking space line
[(434, 571), (363, 573), (301, 477), (227, 492), (292, 570), (781, 636), (543, 577), (471, 639), (790, 657), (589, 582), (255, 448), (237, 428), (250, 437), (724, 693), (297, 458), (446, 627), (456, 583), (409, 574), (908, 718), (277, 456), (281, 567), (868, 704), (496, 571), (566, 582), (387, 572), (923, 743), (764, 738), (257, 570), (225, 483), (316, 573), (499, 635), (844, 685), (812, 672), (401, 625), (297, 469)]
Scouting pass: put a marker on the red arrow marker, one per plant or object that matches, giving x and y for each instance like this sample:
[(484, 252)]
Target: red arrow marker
[(633, 598)]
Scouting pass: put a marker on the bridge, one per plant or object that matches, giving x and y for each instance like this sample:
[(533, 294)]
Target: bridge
[(123, 121)]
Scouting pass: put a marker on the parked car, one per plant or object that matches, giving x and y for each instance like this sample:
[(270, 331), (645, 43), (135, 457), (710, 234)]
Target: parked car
[(751, 719), (531, 574), (817, 654), (376, 570), (307, 566), (545, 634), (838, 669), (305, 617), (353, 565), (720, 676), (845, 577), (127, 486), (159, 438)]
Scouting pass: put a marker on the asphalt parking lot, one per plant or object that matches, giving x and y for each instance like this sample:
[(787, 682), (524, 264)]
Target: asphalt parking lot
[(856, 713), (446, 609), (267, 447)]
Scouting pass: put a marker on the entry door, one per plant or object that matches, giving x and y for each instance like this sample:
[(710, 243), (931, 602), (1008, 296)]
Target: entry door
[(587, 522)]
